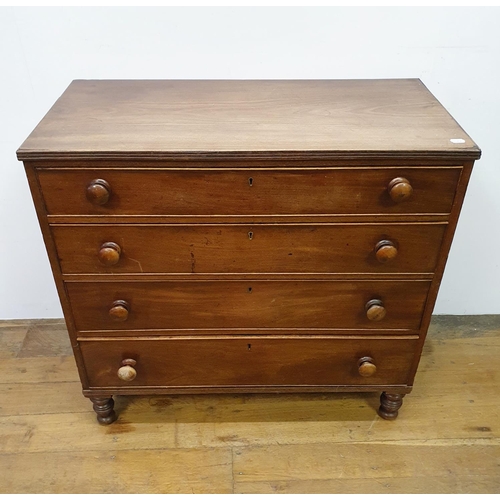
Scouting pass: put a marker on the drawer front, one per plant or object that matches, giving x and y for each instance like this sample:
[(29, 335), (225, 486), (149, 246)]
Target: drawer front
[(247, 361), (259, 304), (246, 192), (346, 248)]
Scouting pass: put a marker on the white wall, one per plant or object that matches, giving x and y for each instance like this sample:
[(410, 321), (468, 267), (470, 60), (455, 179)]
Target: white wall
[(455, 51)]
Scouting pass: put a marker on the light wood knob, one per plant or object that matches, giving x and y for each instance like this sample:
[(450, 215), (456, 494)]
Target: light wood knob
[(375, 310), (109, 253), (119, 310), (366, 367), (400, 189), (98, 192), (385, 250), (127, 371)]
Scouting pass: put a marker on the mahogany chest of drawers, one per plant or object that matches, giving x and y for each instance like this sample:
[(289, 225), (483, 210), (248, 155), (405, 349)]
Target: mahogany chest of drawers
[(247, 236)]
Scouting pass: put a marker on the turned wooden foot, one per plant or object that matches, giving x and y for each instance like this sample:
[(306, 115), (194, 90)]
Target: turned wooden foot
[(104, 409), (389, 405)]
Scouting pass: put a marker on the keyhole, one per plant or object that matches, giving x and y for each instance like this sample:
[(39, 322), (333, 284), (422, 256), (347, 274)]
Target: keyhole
[(250, 235), (249, 289), (249, 347), (250, 181)]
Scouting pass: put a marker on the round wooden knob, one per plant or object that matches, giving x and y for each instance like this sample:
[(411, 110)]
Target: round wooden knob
[(400, 189), (375, 310), (385, 250), (127, 371), (98, 192), (109, 253), (119, 310), (366, 367)]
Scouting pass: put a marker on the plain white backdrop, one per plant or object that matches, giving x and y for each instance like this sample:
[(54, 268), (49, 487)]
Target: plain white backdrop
[(455, 51)]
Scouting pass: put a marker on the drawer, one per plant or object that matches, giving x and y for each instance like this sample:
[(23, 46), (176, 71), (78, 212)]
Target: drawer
[(246, 192), (248, 361), (249, 304), (332, 248)]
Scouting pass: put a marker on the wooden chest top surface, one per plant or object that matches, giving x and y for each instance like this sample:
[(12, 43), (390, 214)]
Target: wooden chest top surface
[(237, 118)]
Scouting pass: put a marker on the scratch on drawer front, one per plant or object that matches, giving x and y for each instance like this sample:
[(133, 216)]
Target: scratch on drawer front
[(193, 260), (138, 263)]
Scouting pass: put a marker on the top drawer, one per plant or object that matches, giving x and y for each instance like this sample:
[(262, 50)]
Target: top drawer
[(212, 192)]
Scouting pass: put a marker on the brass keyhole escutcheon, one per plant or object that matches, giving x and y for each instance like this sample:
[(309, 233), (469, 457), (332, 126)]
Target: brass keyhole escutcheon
[(250, 181), (250, 235)]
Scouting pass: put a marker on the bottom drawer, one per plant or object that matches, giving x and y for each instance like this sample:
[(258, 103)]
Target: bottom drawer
[(248, 361)]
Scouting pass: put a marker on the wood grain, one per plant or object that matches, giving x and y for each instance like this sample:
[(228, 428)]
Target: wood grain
[(48, 397), (260, 304), (113, 471), (46, 339), (79, 431), (39, 369), (397, 485), (170, 118), (11, 339), (208, 249), (353, 461), (222, 191), (247, 361)]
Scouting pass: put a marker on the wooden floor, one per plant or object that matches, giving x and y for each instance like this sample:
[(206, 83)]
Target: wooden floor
[(446, 439)]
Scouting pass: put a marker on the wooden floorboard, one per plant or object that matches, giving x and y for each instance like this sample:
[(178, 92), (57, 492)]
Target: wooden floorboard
[(364, 461), (398, 485), (111, 471), (446, 439), (12, 335), (46, 339)]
